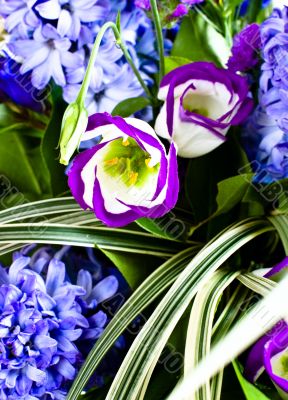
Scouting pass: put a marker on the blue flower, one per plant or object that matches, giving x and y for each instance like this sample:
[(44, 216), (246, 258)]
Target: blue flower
[(53, 40), (18, 87), (71, 14), (267, 147), (19, 16), (44, 321), (45, 56), (113, 80), (274, 77), (266, 135)]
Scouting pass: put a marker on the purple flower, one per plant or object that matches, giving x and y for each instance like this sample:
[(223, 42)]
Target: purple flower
[(127, 175), (201, 103), (192, 2), (270, 353), (18, 87), (45, 56), (179, 11), (144, 4), (246, 46), (44, 320)]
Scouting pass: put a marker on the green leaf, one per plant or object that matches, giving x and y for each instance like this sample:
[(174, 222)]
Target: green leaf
[(251, 392), (168, 227), (199, 332), (231, 191), (204, 174), (104, 238), (58, 179), (174, 62), (247, 330), (134, 268), (130, 106), (140, 361), (7, 117), (199, 41), (21, 164), (153, 287), (254, 9), (280, 222)]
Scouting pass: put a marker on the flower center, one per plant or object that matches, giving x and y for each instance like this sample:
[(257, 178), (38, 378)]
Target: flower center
[(195, 103), (126, 161), (280, 364)]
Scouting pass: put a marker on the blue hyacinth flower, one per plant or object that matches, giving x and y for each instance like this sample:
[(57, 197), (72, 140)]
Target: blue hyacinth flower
[(48, 322)]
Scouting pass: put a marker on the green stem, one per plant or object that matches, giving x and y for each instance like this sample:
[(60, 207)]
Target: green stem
[(87, 79), (159, 37)]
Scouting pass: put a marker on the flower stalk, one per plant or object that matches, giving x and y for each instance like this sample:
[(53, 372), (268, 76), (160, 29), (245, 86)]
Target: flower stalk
[(87, 79), (75, 119), (159, 37)]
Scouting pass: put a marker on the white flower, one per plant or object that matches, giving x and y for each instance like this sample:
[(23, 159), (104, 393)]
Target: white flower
[(201, 103)]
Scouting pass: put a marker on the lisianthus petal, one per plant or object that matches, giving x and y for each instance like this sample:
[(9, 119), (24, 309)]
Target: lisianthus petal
[(255, 363), (273, 348), (194, 90), (75, 180), (277, 268)]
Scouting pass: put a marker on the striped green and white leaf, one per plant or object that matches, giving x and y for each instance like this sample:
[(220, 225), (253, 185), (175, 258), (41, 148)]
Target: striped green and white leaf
[(199, 333), (156, 332), (263, 316)]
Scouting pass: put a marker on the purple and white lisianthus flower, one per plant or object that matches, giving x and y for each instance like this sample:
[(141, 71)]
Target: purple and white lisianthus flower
[(128, 175), (201, 103), (270, 353)]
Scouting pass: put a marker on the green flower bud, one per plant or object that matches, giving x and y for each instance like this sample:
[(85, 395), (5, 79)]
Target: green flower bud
[(74, 124)]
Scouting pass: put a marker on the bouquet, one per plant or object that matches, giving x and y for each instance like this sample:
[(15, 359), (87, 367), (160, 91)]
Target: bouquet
[(143, 199)]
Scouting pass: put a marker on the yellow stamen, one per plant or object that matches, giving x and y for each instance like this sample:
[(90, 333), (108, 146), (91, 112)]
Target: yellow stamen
[(126, 142), (147, 162), (112, 162), (133, 176)]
